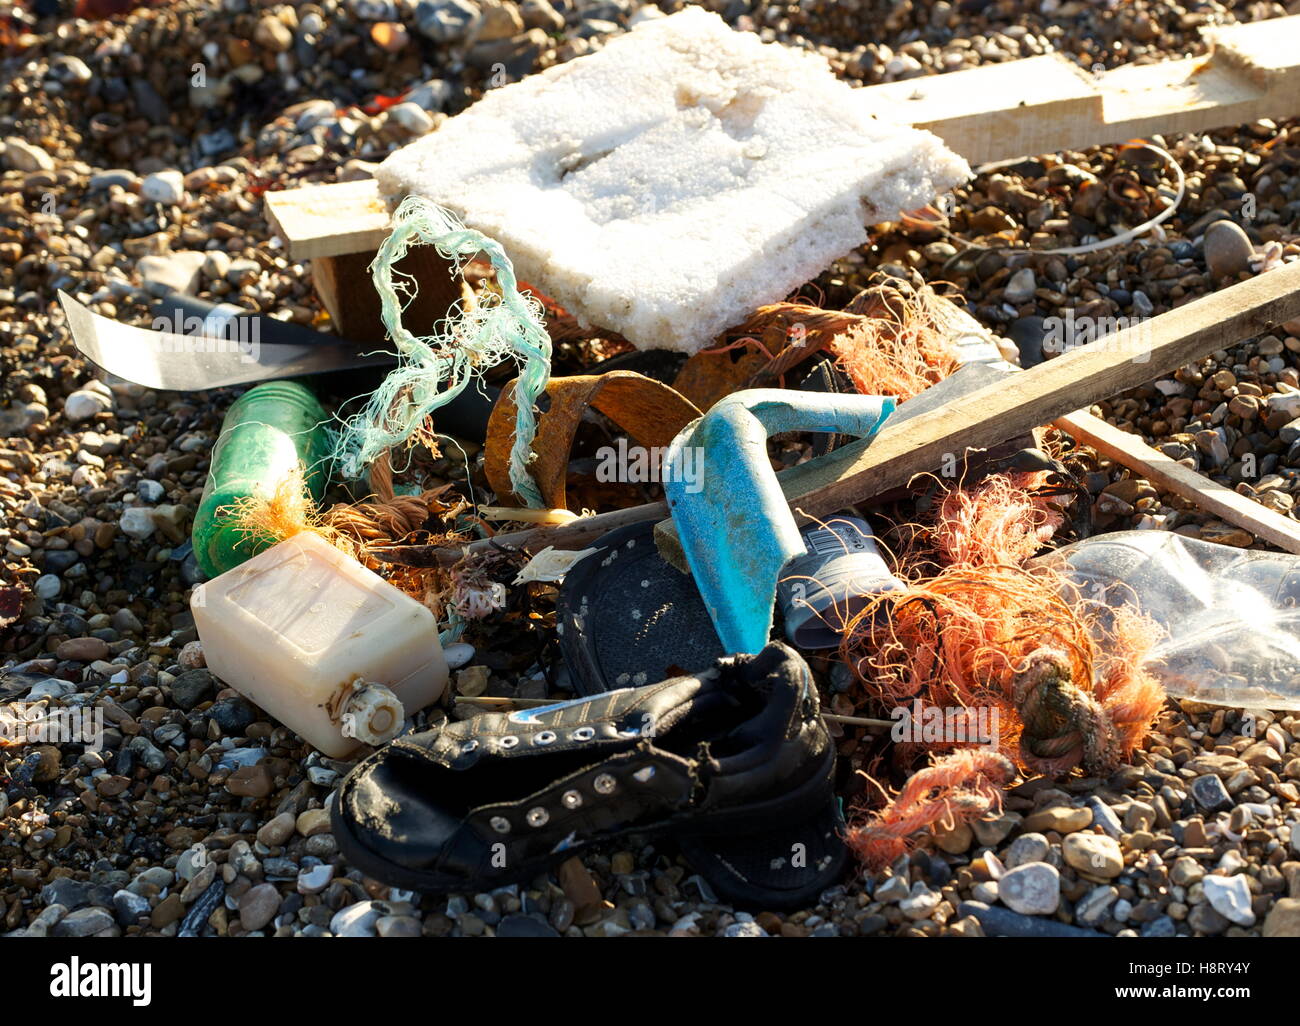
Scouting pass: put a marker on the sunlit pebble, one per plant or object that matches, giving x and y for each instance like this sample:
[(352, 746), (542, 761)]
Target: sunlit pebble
[(389, 36)]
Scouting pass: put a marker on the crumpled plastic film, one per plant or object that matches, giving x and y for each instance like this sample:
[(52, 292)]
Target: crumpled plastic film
[(1232, 615)]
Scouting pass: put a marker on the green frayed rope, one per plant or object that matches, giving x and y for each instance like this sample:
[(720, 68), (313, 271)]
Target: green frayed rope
[(434, 369)]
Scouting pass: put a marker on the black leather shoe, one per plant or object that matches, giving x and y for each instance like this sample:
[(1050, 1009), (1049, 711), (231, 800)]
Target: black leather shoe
[(502, 797)]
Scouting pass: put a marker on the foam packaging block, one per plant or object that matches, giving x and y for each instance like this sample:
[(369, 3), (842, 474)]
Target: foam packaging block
[(669, 184), (301, 627)]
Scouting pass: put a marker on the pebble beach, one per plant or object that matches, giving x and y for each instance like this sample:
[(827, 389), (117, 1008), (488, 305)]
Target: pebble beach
[(134, 157)]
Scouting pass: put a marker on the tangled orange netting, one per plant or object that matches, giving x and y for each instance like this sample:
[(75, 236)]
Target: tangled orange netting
[(988, 634)]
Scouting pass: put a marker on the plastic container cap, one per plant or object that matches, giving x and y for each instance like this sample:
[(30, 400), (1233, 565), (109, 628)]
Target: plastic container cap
[(374, 714)]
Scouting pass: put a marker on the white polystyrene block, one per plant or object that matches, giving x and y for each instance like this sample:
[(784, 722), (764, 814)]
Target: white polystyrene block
[(671, 183), (301, 628)]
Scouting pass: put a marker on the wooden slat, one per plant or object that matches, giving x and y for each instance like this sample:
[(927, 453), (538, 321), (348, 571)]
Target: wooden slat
[(1036, 105), (1130, 451), (1171, 476), (1046, 104), (576, 535), (1186, 96), (347, 291), (1037, 396), (329, 220)]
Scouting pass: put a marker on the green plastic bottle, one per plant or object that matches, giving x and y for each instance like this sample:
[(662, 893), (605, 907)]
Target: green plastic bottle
[(266, 432)]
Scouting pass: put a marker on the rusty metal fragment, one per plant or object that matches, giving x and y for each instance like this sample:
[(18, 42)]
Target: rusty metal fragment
[(648, 410)]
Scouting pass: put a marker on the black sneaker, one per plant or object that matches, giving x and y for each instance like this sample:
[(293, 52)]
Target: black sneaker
[(502, 797)]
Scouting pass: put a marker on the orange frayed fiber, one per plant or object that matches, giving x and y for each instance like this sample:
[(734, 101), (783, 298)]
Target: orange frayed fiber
[(986, 632), (352, 529), (1004, 518), (888, 340), (897, 348), (287, 509), (1001, 638), (957, 788), (987, 635)]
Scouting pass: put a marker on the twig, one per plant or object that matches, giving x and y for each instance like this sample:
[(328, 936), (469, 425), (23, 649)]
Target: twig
[(857, 721)]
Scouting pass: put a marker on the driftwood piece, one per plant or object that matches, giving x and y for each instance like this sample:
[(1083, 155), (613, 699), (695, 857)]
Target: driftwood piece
[(1171, 476)]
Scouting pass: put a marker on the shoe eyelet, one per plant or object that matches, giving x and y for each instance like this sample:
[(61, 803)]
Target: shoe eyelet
[(571, 799), (509, 741), (583, 734), (644, 774), (604, 784), (537, 817), (500, 824), (469, 746), (546, 737)]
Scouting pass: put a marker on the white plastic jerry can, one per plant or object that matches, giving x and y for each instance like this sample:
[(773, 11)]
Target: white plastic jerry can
[(331, 650)]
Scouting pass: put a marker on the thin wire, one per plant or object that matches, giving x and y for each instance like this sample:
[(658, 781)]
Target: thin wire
[(1100, 244), (1145, 226)]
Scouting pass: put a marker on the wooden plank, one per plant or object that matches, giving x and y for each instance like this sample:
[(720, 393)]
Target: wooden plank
[(859, 471), (329, 220), (1264, 50), (1184, 96), (1171, 476), (1130, 451), (338, 227), (1046, 104), (1036, 105), (348, 293), (576, 535)]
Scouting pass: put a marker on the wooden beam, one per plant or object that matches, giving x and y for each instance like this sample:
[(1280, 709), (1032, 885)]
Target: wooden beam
[(348, 293), (575, 535), (1036, 105), (338, 227), (1171, 476), (1046, 104), (860, 471), (1130, 451), (1037, 396)]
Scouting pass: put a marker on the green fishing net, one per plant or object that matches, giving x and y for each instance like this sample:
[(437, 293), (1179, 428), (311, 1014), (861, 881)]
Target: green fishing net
[(434, 369)]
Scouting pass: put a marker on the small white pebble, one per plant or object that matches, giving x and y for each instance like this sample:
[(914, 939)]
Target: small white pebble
[(458, 654)]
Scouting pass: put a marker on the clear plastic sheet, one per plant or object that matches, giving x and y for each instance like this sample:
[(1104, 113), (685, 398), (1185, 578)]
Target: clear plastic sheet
[(1231, 615)]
